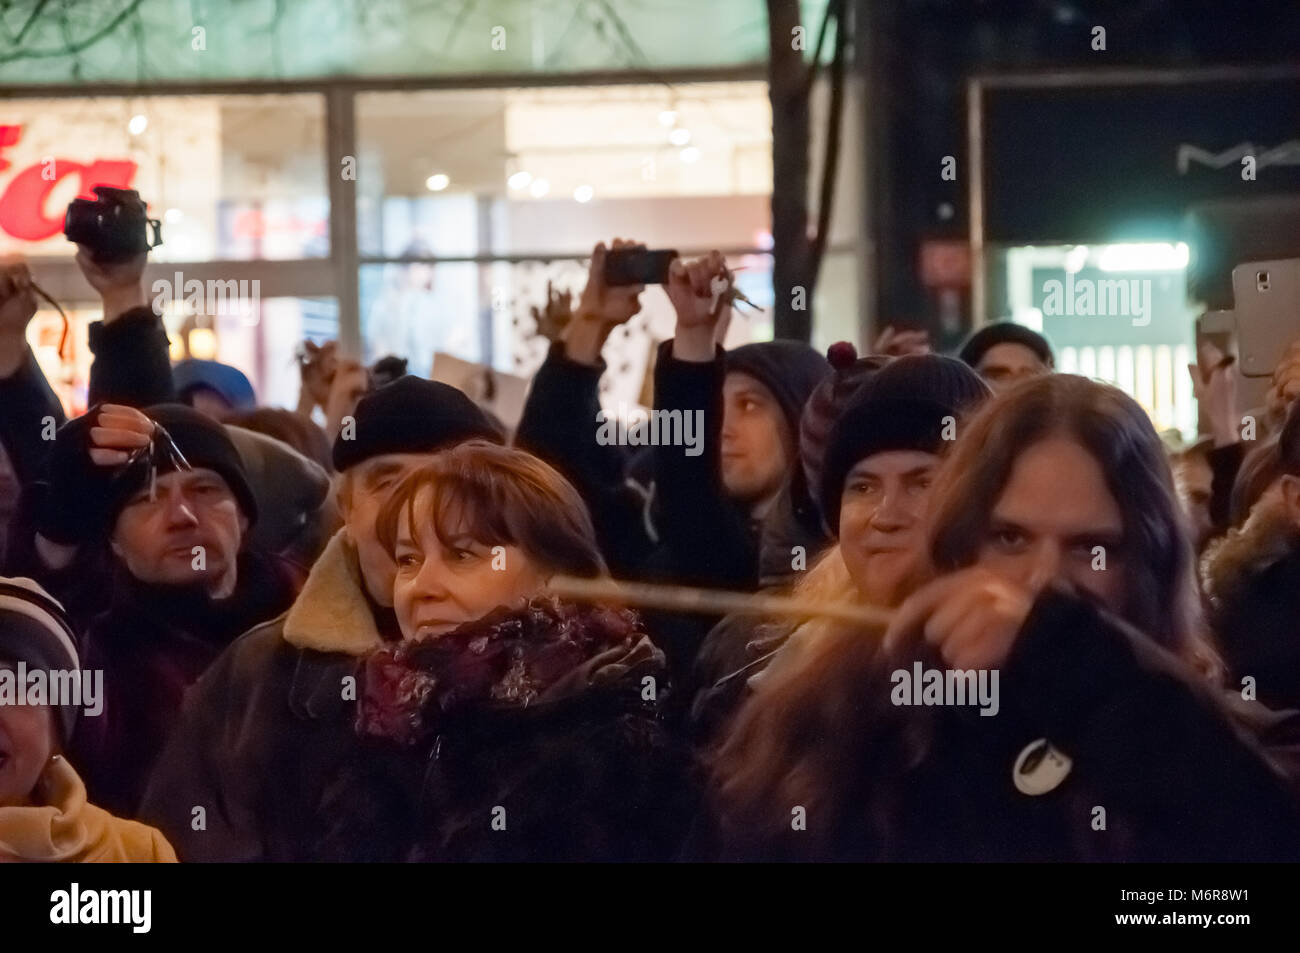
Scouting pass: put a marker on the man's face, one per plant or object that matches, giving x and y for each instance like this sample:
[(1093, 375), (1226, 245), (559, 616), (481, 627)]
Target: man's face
[(191, 530), (1005, 364), (207, 401), (26, 743), (1056, 520), (365, 491), (756, 443), (882, 512), (1193, 478)]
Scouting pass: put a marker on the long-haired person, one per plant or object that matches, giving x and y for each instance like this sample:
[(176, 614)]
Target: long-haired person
[(1087, 721), (875, 477), (507, 725)]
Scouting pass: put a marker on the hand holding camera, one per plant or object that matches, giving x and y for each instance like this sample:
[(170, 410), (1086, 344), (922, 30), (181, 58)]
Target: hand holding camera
[(611, 298), (111, 234)]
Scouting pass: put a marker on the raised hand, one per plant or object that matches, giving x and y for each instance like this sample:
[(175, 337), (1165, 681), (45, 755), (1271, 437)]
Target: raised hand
[(601, 308), (895, 343), (972, 617), (1215, 388), (701, 300), (118, 432), (120, 284), (17, 305)]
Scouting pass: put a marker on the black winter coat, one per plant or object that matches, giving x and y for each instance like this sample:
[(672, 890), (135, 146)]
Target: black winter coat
[(1175, 774), (268, 746)]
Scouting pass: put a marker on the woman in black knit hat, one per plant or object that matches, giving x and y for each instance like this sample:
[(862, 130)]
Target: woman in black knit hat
[(881, 456)]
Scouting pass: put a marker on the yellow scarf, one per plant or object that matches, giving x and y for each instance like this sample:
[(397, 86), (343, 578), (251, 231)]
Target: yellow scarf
[(67, 829)]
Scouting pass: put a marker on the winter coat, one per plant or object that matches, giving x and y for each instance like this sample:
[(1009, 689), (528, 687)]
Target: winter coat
[(560, 424), (268, 743), (1149, 763), (66, 828), (741, 647), (1251, 578), (131, 366), (263, 735), (152, 644), (529, 735)]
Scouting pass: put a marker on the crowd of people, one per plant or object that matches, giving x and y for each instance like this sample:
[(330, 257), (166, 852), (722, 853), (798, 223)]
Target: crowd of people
[(1008, 621)]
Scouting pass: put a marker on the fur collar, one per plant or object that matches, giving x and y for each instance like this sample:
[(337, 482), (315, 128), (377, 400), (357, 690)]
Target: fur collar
[(1230, 561), (332, 613)]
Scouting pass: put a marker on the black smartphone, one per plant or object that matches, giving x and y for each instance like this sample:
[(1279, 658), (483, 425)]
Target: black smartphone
[(638, 266)]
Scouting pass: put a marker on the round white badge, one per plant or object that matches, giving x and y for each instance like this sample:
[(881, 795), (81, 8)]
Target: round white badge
[(1040, 768)]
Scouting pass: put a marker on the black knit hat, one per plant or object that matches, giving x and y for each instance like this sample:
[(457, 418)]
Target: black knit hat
[(411, 415), (206, 444), (1005, 332), (789, 369), (34, 630), (900, 407), (80, 500), (827, 402)]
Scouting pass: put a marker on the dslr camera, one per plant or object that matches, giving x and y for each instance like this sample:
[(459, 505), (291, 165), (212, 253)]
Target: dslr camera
[(114, 224)]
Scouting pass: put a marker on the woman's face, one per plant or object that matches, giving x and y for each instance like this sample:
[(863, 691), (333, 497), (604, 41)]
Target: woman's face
[(26, 744), (882, 513), (1056, 520), (441, 585)]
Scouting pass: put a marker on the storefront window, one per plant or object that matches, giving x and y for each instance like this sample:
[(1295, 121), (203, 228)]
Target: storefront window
[(1116, 313), (230, 177), (500, 190)]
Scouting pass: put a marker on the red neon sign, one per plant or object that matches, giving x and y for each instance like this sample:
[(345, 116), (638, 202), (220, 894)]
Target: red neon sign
[(22, 205)]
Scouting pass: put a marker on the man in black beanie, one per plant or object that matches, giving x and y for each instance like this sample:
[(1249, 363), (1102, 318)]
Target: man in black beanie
[(1005, 352), (714, 509), (266, 731), (165, 493)]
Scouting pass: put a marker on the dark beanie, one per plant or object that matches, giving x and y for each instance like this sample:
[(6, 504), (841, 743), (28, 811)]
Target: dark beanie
[(80, 500), (34, 630), (411, 415), (789, 369), (205, 444), (827, 402), (900, 407), (1005, 332)]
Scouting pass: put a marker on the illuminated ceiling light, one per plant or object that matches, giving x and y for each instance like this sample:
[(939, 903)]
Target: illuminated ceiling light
[(689, 154), (668, 118), (437, 182), (1076, 258), (1155, 256), (173, 215), (539, 188), (138, 124), (202, 343), (520, 180), (679, 137), (583, 193)]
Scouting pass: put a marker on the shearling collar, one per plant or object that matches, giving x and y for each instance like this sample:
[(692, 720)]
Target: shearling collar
[(1266, 537), (332, 613)]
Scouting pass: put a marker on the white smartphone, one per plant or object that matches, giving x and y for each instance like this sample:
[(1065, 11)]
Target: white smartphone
[(1266, 300)]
